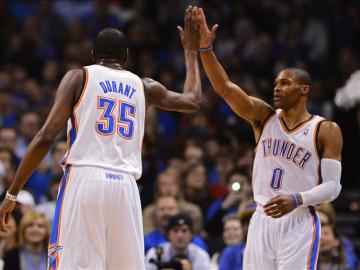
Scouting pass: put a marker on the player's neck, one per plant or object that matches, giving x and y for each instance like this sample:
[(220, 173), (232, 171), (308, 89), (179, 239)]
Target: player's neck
[(111, 63), (295, 116)]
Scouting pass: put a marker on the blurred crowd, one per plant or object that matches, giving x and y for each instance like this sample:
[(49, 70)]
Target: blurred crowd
[(196, 185)]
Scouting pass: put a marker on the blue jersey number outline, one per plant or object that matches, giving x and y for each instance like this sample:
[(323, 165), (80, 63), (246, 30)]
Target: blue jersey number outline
[(277, 178), (124, 123)]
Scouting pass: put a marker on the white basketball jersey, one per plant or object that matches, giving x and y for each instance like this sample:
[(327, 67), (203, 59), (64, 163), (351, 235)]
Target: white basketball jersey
[(106, 127), (286, 161)]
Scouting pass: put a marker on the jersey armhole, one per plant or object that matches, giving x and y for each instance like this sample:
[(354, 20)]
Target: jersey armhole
[(267, 118), (316, 138), (145, 92), (78, 98)]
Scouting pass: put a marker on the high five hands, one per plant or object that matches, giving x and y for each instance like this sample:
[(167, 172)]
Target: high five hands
[(196, 33), (189, 35)]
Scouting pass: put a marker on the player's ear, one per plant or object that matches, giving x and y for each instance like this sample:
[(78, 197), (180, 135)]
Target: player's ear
[(305, 89)]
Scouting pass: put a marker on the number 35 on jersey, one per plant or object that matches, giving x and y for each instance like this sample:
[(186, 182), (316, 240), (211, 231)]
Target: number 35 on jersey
[(117, 117)]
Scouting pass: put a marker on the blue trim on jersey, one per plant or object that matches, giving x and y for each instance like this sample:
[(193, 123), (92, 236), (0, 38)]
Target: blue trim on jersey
[(73, 130), (54, 231), (315, 246)]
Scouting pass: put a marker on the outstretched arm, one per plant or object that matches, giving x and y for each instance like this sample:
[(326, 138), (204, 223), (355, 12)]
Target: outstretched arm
[(189, 101), (43, 140), (251, 109)]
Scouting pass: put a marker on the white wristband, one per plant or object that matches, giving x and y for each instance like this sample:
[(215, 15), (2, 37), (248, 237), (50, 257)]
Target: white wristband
[(10, 197)]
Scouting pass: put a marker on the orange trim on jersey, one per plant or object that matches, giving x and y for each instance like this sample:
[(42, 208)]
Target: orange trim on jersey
[(83, 89), (297, 128), (312, 244), (308, 265), (61, 210), (314, 138), (73, 112), (317, 150), (145, 109)]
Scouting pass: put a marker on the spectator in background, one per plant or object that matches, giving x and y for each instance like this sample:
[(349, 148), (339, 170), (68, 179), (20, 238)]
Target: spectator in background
[(26, 201), (34, 232), (327, 215), (232, 256), (8, 161), (331, 253), (48, 207), (8, 138), (9, 240), (239, 190), (194, 185), (232, 235), (165, 208), (179, 231), (28, 126), (168, 184), (57, 154)]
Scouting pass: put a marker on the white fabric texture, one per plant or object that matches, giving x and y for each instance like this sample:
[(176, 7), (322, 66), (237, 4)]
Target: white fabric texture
[(330, 187), (100, 223), (289, 242)]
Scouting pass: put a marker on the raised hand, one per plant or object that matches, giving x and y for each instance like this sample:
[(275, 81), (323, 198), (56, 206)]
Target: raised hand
[(189, 36), (206, 36)]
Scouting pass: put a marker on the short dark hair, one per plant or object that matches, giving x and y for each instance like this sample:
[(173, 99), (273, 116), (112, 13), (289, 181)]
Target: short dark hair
[(302, 76), (110, 43)]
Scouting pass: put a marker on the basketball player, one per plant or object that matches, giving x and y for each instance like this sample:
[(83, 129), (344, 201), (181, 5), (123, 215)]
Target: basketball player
[(98, 223), (297, 163)]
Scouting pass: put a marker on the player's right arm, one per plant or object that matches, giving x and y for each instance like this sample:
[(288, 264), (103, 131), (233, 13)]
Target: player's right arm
[(252, 109), (68, 91)]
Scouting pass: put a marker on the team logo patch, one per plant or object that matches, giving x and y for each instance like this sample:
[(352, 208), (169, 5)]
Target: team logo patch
[(306, 131), (53, 250)]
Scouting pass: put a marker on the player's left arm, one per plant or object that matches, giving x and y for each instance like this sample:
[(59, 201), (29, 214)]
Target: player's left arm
[(330, 143), (188, 101), (330, 146), (44, 138)]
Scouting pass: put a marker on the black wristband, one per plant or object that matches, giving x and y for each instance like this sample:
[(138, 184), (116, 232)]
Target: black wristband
[(207, 49)]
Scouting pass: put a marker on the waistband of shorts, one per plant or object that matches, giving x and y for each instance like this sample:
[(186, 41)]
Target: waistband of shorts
[(92, 171)]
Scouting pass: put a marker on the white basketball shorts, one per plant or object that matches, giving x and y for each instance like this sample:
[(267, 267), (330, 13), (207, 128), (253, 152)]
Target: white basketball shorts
[(287, 243), (98, 222)]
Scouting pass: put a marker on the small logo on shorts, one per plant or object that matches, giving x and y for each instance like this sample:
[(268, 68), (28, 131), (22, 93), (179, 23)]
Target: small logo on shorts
[(113, 176)]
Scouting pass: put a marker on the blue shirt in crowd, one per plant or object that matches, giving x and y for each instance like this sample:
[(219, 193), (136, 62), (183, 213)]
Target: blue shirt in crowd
[(232, 257), (156, 238)]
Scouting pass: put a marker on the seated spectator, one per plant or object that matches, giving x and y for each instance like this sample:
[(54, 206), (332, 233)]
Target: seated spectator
[(9, 240), (232, 256), (179, 253), (167, 184), (194, 185), (331, 253), (166, 207), (25, 201), (239, 191), (327, 215), (48, 207), (232, 235), (8, 139), (34, 232)]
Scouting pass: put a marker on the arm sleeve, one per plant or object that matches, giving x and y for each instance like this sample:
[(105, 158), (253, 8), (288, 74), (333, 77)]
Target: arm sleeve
[(330, 187)]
